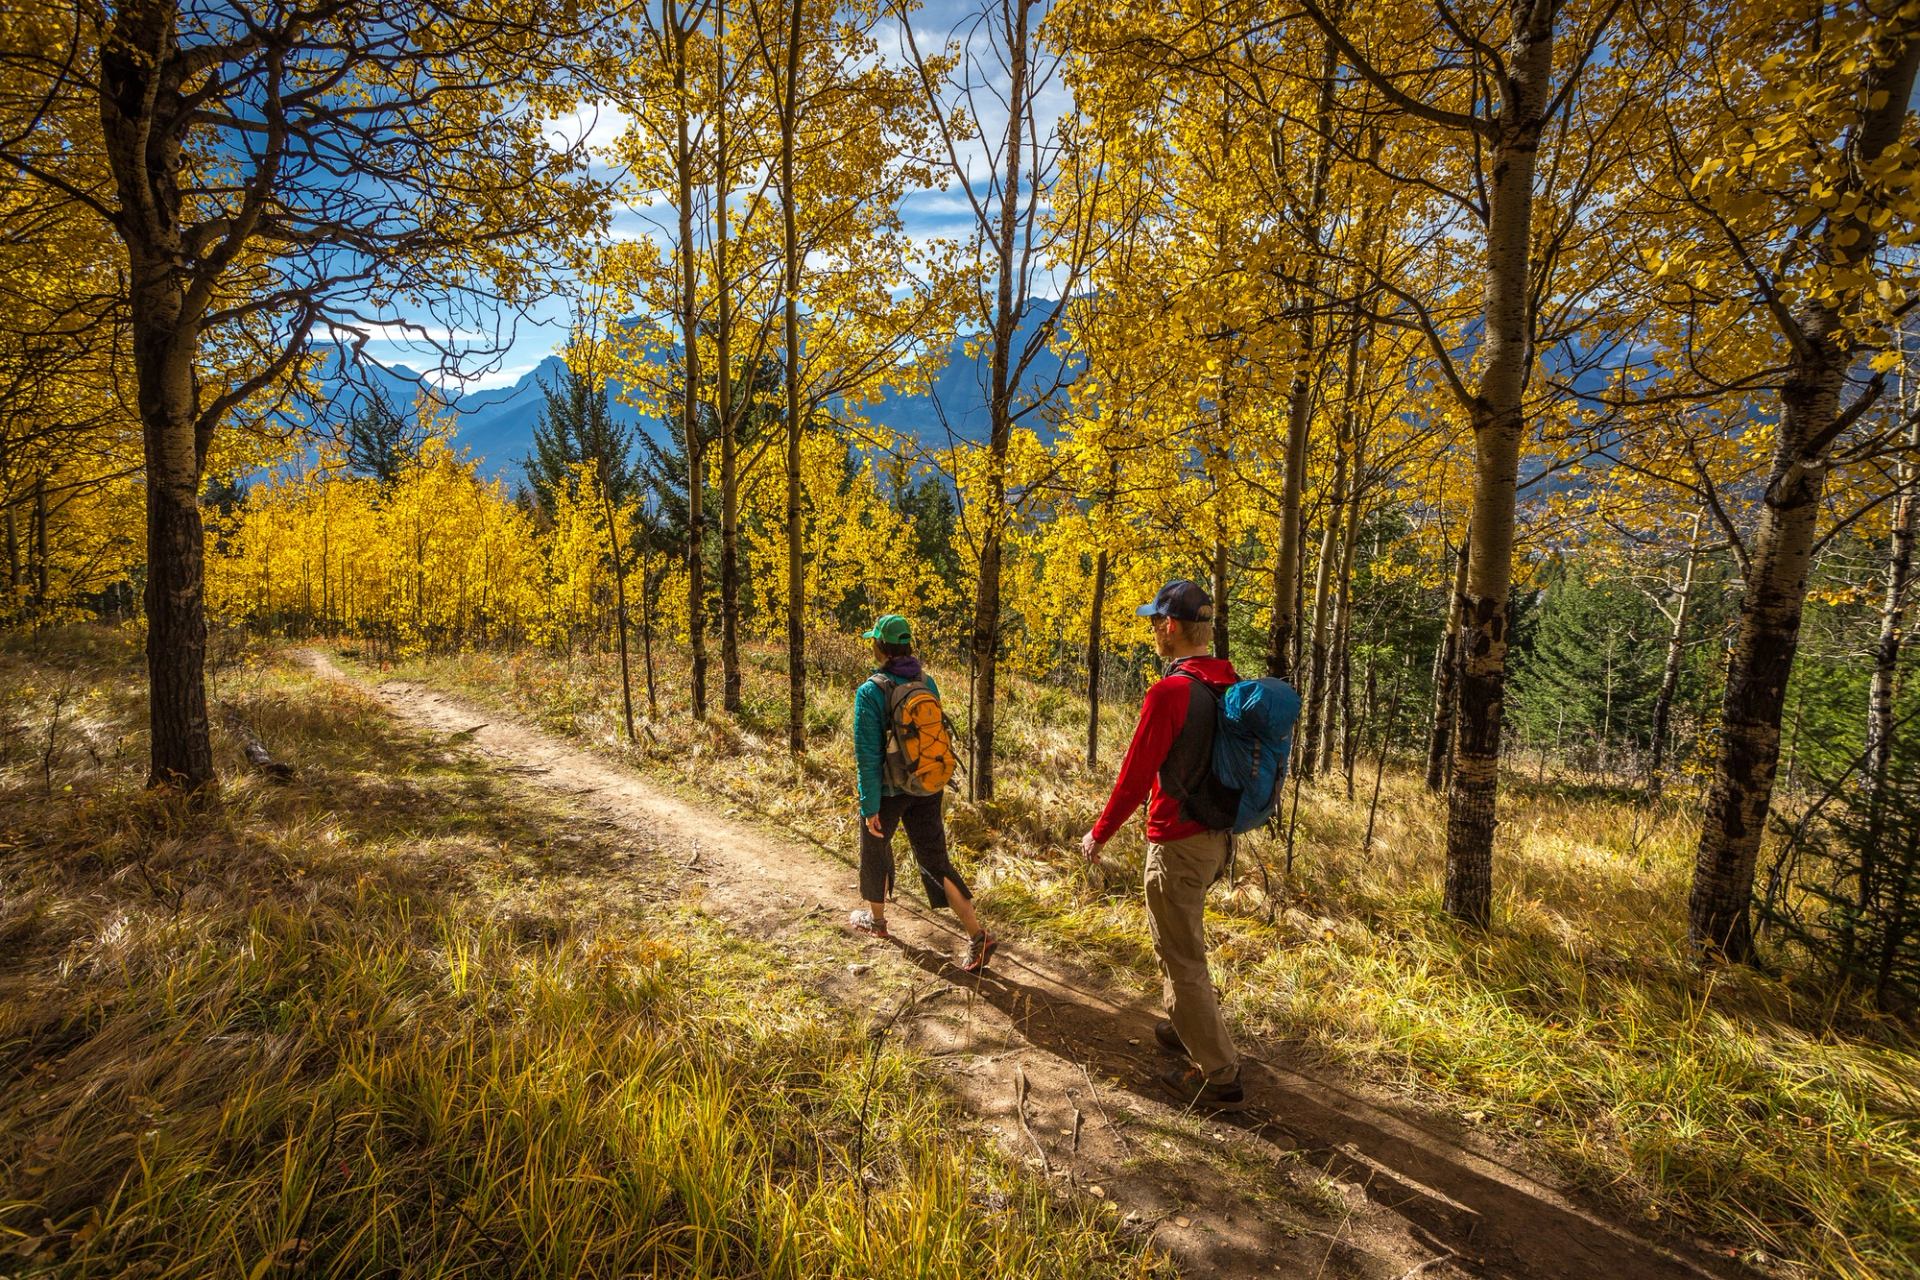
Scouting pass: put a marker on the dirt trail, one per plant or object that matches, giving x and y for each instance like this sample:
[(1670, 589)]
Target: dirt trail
[(1311, 1180)]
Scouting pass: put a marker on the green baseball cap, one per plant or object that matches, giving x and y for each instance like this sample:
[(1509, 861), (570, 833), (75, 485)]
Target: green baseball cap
[(890, 628)]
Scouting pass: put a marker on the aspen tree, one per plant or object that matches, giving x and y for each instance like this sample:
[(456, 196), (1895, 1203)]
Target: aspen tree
[(1677, 615), (1894, 601), (855, 302), (1511, 48), (225, 143), (670, 93), (1446, 676), (1790, 176), (680, 26), (1015, 242)]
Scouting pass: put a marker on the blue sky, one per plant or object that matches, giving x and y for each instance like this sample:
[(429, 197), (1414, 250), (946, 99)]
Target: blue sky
[(417, 340)]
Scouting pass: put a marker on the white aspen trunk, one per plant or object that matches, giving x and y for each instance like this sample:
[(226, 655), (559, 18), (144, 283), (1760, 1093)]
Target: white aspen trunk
[(1499, 425), (1718, 918)]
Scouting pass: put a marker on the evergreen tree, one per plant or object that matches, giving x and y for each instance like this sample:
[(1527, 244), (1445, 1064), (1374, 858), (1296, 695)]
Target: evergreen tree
[(928, 506), (577, 425), (1589, 670), (928, 523), (660, 465), (1845, 884), (380, 442)]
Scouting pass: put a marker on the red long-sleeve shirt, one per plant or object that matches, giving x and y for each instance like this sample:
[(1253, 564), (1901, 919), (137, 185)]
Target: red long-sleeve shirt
[(1162, 712)]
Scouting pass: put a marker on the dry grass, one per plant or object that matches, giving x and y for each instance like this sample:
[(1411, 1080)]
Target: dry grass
[(390, 1020), (1751, 1107)]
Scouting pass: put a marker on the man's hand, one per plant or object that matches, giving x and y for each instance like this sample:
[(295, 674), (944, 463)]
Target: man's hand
[(873, 825), (1091, 847)]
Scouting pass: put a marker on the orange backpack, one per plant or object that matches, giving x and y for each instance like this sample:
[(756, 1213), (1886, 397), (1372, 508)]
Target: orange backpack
[(920, 760)]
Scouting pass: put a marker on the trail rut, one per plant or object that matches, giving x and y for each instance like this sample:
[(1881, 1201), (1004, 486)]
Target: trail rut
[(1312, 1179)]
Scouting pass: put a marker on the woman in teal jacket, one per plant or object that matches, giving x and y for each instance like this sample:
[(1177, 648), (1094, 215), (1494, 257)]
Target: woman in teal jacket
[(883, 807)]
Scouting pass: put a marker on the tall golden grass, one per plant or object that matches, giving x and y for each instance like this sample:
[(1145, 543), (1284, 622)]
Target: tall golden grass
[(392, 1020), (1779, 1117)]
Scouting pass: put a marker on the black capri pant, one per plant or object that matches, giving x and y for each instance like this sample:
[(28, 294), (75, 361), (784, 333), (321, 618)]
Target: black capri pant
[(926, 835)]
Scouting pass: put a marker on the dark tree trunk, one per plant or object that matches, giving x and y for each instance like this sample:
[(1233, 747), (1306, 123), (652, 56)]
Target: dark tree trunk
[(1222, 647), (619, 606), (1893, 608), (1351, 746), (646, 631), (42, 589), (1282, 641), (182, 747), (141, 103), (1093, 658), (1756, 691), (985, 643), (1298, 655), (1318, 704), (1341, 660), (1333, 739), (1670, 673), (1446, 679), (13, 560), (14, 567), (723, 395), (695, 439), (984, 652), (790, 255)]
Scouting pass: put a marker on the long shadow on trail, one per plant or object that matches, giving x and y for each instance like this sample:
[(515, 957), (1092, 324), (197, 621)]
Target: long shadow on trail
[(1495, 1221)]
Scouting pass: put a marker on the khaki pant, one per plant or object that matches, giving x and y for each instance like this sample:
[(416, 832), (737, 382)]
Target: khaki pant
[(1178, 875)]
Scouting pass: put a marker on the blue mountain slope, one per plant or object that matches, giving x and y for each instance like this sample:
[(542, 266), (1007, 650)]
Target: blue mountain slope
[(497, 424), (346, 385), (956, 406)]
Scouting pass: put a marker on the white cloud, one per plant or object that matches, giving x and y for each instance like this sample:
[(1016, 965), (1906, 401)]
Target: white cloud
[(597, 124), (931, 203), (485, 380)]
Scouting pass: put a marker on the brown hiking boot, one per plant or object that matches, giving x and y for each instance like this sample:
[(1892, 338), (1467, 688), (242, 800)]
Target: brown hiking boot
[(1169, 1038), (1193, 1089)]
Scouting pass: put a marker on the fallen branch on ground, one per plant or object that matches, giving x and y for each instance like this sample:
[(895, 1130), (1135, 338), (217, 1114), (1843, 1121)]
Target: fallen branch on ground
[(258, 757), (1020, 1110)]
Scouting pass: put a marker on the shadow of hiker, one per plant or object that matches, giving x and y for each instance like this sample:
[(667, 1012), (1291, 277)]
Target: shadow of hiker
[(1496, 1221)]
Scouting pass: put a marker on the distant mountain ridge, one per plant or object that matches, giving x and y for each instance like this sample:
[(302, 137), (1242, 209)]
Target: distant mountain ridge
[(497, 424)]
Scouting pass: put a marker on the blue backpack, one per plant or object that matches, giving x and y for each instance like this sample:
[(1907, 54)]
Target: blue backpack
[(1252, 745)]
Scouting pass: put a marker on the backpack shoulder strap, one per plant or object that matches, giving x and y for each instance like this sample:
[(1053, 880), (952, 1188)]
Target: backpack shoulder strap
[(889, 688), (1190, 757)]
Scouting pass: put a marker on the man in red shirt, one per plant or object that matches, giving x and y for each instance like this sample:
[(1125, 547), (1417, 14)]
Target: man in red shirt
[(1169, 765)]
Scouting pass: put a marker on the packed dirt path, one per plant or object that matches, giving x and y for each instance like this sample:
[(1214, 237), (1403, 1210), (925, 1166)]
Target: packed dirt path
[(1312, 1179)]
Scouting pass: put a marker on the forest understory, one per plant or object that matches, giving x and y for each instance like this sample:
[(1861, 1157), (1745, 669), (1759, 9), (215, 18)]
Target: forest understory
[(392, 965), (447, 452), (1743, 1103)]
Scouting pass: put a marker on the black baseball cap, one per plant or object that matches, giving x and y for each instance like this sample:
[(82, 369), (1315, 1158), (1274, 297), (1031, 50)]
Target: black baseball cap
[(1187, 601)]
